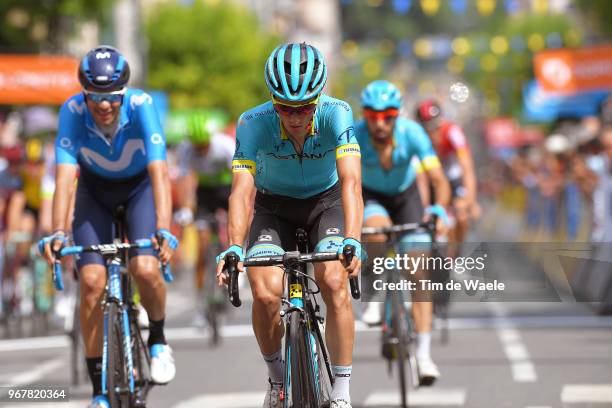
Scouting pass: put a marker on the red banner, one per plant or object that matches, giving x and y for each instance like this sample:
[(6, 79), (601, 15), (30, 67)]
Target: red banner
[(502, 133), (33, 79)]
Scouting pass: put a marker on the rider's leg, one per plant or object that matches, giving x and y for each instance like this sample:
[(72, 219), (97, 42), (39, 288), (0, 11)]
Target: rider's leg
[(372, 313), (152, 289), (92, 279), (204, 237), (92, 225), (267, 287), (340, 324)]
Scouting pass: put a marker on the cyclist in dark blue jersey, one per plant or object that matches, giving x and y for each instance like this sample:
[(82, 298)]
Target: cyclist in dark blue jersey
[(389, 145), (300, 155), (111, 136)]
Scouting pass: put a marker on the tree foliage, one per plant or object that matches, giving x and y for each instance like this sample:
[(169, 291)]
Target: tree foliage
[(208, 56), (44, 25)]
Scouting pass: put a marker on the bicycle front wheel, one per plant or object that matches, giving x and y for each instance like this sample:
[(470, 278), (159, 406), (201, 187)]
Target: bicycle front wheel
[(401, 346), (301, 381), (117, 376)]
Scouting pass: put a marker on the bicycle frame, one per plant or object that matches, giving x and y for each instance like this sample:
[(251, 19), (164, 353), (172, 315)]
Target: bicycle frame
[(114, 294)]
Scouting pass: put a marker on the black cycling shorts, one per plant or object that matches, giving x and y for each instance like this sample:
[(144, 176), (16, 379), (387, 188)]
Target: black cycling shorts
[(277, 218), (403, 208)]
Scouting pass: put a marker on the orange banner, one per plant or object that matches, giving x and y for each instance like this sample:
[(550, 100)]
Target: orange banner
[(33, 79), (571, 70)]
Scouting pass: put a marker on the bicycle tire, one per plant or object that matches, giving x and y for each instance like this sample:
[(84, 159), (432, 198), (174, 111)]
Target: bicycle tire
[(303, 390), (141, 361), (117, 377), (323, 374), (400, 354)]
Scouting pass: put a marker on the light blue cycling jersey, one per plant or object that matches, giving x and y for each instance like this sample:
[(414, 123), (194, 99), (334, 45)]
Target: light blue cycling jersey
[(137, 141), (409, 141), (263, 149)]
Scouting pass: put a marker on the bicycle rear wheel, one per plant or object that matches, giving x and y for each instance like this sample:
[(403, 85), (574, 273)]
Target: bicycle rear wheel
[(117, 376), (302, 389)]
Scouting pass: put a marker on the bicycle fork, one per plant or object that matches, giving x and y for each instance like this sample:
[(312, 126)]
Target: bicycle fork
[(115, 295)]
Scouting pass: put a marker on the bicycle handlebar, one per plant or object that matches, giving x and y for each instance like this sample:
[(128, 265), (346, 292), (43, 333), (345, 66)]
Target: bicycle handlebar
[(287, 259), (399, 228), (103, 249)]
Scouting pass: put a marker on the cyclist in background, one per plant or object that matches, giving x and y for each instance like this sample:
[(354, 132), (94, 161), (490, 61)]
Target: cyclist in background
[(300, 153), (205, 180), (389, 145), (451, 145), (113, 134)]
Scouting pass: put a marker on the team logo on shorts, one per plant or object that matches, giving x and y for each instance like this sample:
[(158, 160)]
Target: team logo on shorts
[(332, 231), (265, 238)]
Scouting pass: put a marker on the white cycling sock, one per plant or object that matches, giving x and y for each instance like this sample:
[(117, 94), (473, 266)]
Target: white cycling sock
[(276, 366), (423, 345), (342, 379)]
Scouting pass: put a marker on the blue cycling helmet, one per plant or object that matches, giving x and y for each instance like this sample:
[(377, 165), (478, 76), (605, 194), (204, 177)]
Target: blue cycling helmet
[(380, 95), (103, 69), (295, 72)]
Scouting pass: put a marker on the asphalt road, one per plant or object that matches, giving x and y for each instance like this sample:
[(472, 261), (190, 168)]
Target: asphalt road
[(501, 354)]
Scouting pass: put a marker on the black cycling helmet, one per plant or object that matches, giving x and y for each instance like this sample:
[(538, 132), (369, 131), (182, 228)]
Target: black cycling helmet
[(103, 69)]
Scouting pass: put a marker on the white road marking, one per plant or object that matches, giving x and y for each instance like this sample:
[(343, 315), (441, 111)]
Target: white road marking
[(32, 376), (523, 370), (586, 393), (227, 400), (420, 397), (505, 325)]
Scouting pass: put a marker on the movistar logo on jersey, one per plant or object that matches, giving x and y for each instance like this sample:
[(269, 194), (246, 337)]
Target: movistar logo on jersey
[(77, 108), (137, 100), (127, 154)]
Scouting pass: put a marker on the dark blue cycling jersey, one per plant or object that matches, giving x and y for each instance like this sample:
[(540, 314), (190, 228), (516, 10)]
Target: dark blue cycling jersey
[(138, 140), (409, 141), (263, 149)]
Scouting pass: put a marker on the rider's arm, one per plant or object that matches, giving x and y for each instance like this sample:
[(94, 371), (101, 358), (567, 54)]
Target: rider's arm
[(422, 182), (160, 181), (349, 173), (157, 166), (244, 168), (432, 166), (66, 148), (240, 207), (440, 185), (14, 211), (464, 157), (65, 175)]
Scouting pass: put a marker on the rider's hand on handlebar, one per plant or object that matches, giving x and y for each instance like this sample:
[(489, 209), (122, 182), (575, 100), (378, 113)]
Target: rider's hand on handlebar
[(50, 244), (168, 242), (442, 223), (353, 268), (222, 278)]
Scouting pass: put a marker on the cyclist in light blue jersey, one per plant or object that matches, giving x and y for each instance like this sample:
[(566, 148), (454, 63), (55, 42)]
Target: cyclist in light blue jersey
[(300, 155), (111, 136), (389, 145)]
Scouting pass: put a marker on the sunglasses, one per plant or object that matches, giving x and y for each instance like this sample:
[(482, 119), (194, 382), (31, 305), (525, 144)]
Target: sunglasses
[(387, 115), (286, 110), (111, 97)]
